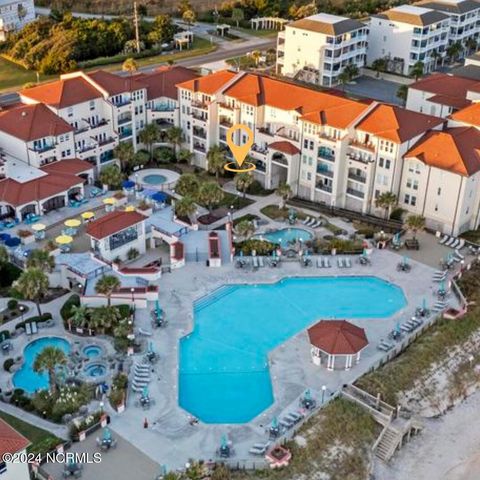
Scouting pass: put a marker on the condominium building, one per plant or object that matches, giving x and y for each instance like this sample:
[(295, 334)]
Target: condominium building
[(406, 35), (14, 15), (317, 49), (464, 19)]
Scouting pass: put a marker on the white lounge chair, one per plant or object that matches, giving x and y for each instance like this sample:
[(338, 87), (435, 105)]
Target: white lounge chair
[(459, 255), (348, 263), (455, 244), (449, 241), (444, 239), (34, 328), (461, 244), (261, 264), (307, 220), (319, 262), (145, 333), (28, 328), (311, 222), (255, 262)]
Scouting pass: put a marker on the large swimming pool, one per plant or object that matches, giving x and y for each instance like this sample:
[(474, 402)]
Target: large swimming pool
[(26, 378), (286, 236), (224, 375)]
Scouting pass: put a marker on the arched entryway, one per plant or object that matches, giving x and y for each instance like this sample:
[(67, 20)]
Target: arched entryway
[(279, 173), (53, 203), (28, 209)]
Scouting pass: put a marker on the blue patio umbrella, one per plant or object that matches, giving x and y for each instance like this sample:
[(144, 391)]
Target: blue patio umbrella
[(128, 184), (396, 238), (158, 309), (397, 328), (145, 392), (240, 254), (441, 288), (275, 422), (12, 242), (424, 304), (224, 442), (308, 395), (150, 347), (159, 197), (4, 237), (107, 434)]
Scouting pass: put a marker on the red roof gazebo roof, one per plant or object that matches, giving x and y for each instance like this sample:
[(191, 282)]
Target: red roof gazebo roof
[(337, 337)]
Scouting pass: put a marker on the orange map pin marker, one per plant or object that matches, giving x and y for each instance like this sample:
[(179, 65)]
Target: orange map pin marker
[(239, 152)]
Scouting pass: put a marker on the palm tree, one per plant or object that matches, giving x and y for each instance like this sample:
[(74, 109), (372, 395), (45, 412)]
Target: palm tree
[(175, 137), (188, 184), (47, 361), (111, 175), (343, 79), (379, 65), (32, 285), (243, 182), (454, 50), (352, 71), (284, 192), (471, 44), (185, 207), (245, 229), (125, 153), (4, 258), (210, 194), (184, 156), (435, 55), (78, 315), (415, 224), (107, 285), (105, 317), (130, 66), (417, 70), (42, 260), (149, 136), (386, 200), (255, 55), (402, 93), (216, 160)]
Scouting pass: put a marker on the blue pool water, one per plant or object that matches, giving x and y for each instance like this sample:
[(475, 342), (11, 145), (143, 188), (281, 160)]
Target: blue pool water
[(154, 179), (224, 375), (95, 370), (285, 236), (92, 351), (26, 378)]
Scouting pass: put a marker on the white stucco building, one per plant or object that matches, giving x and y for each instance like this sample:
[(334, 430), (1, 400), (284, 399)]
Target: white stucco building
[(13, 443), (316, 49), (408, 34), (14, 15)]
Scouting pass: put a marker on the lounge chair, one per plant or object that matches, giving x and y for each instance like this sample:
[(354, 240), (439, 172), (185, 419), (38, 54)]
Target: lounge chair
[(293, 418), (261, 264), (461, 244), (317, 224), (144, 368), (28, 328), (140, 384), (449, 241), (327, 263), (311, 222), (339, 263), (255, 263), (284, 422), (259, 448), (146, 333), (348, 263), (444, 239), (459, 255), (320, 262), (455, 244), (307, 220), (139, 374), (34, 327)]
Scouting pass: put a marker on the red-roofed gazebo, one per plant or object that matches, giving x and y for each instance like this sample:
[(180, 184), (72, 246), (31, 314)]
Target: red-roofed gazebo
[(336, 338)]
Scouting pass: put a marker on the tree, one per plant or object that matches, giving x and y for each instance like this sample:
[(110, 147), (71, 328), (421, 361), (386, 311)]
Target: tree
[(112, 176), (454, 50), (402, 92), (125, 153), (210, 194), (245, 229), (188, 184), (106, 286), (42, 260), (216, 160), (386, 200), (184, 156), (435, 55), (343, 79), (379, 65), (104, 318), (163, 30), (47, 361), (185, 207), (417, 70), (471, 45), (221, 472), (415, 224), (32, 285), (189, 17), (140, 159), (243, 181), (256, 55), (175, 137), (237, 15), (4, 258), (352, 71), (130, 66), (78, 315), (284, 192), (149, 136)]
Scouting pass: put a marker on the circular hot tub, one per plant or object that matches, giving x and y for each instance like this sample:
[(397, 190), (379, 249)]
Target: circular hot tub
[(155, 178), (95, 370)]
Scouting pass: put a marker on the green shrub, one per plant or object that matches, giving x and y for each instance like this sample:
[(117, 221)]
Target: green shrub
[(397, 214), (21, 400), (4, 335), (8, 363), (12, 304), (256, 188), (261, 247), (366, 232), (66, 310), (124, 310), (9, 273)]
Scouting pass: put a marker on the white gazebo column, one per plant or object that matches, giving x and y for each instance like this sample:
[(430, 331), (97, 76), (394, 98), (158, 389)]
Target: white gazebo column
[(330, 362), (358, 357), (348, 362)]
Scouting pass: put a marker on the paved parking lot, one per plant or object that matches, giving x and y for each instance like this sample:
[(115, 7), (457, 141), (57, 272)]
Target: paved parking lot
[(374, 88)]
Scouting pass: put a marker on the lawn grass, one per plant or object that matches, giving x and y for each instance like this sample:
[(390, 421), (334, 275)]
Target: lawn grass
[(13, 76), (258, 33), (400, 374), (42, 441), (276, 213), (249, 217)]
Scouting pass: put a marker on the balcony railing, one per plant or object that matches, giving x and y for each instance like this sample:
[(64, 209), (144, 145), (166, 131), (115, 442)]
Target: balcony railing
[(99, 124), (369, 146), (199, 116), (359, 157), (326, 136), (86, 148), (198, 132), (225, 122), (200, 105), (199, 148), (356, 193), (106, 141), (325, 172), (326, 154), (163, 107), (323, 187), (122, 103), (225, 106), (122, 121), (357, 178), (259, 149), (127, 132), (43, 148), (265, 131)]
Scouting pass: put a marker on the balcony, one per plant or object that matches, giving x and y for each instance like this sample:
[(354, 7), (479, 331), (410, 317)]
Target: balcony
[(43, 148), (199, 132), (326, 136), (108, 140), (124, 120), (355, 193), (265, 131), (99, 124), (226, 106), (326, 154), (199, 105), (287, 134), (366, 146), (83, 129), (199, 148), (361, 157), (260, 166), (259, 149), (86, 148), (324, 171), (125, 133), (122, 102), (357, 178), (323, 187), (199, 116), (163, 107), (225, 122)]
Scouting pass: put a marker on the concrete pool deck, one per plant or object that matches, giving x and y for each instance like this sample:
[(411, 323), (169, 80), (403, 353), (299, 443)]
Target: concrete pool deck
[(170, 439)]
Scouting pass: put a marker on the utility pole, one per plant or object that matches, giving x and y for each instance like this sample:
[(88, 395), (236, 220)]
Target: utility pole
[(135, 22)]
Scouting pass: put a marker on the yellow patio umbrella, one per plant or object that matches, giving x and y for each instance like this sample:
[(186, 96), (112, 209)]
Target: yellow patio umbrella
[(39, 227), (64, 239), (129, 208), (109, 201), (87, 215), (72, 223)]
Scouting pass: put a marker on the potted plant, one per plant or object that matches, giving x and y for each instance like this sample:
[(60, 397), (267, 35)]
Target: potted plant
[(121, 198), (145, 208), (26, 236)]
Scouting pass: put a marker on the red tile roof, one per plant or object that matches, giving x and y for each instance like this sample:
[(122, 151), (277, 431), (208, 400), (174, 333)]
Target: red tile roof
[(162, 82), (397, 124), (469, 115), (337, 337), (208, 84), (456, 150), (112, 223), (32, 122), (63, 93), (285, 147), (443, 84), (73, 166), (450, 100), (57, 181), (115, 84), (10, 440)]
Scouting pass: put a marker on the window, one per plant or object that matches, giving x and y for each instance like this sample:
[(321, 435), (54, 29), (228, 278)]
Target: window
[(387, 163), (92, 104), (380, 162), (70, 111), (439, 191), (119, 239), (309, 176), (406, 199)]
